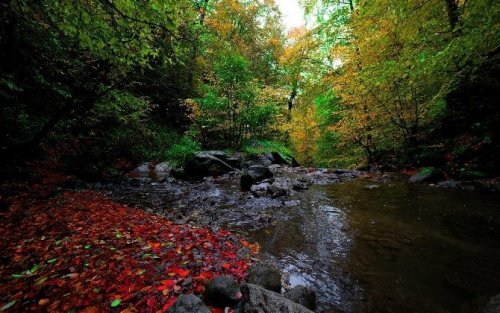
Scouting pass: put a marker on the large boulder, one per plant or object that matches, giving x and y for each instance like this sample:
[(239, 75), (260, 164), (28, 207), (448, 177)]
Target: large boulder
[(234, 162), (188, 303), (207, 163), (259, 172), (142, 171), (246, 182), (263, 160), (222, 291), (163, 170), (493, 305), (259, 300), (303, 296), (266, 276)]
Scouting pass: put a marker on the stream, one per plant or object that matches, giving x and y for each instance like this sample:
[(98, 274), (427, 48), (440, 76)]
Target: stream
[(361, 244)]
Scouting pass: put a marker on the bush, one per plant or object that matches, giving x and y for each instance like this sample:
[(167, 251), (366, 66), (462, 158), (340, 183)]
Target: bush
[(182, 151)]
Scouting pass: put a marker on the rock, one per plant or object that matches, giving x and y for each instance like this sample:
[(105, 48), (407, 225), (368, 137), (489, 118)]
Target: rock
[(453, 184), (260, 187), (244, 253), (274, 167), (246, 182), (276, 191), (300, 186), (372, 187), (259, 300), (425, 175), (259, 172), (222, 291), (493, 305), (266, 276), (142, 171), (303, 296), (188, 303), (187, 282), (207, 163), (234, 162), (216, 153), (341, 171), (263, 160), (163, 170), (278, 159)]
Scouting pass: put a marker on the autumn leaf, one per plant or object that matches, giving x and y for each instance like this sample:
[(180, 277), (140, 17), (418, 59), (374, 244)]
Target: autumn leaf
[(116, 303)]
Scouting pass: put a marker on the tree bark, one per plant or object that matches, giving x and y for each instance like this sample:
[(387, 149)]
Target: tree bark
[(453, 13)]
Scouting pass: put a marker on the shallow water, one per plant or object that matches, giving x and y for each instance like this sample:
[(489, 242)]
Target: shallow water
[(397, 248)]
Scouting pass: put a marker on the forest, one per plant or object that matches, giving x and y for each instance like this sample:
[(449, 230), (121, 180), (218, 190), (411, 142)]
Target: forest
[(91, 90)]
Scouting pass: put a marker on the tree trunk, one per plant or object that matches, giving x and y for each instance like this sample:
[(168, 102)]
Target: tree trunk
[(453, 14)]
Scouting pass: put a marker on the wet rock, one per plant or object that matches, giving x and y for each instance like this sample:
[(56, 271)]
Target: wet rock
[(303, 296), (222, 291), (188, 303), (493, 305), (425, 175), (264, 218), (216, 153), (266, 276), (341, 171), (246, 181), (244, 253), (260, 187), (452, 184), (276, 191), (207, 163), (259, 172), (142, 171), (298, 186), (234, 162), (259, 300), (187, 282), (274, 167), (263, 160), (163, 170)]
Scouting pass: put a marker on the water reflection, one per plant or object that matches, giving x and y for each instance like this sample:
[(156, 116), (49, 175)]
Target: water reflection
[(397, 248)]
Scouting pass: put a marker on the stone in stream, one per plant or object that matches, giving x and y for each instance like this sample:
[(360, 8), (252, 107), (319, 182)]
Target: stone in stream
[(142, 171), (299, 186), (246, 182), (266, 276), (303, 296), (256, 299), (222, 291), (188, 303), (277, 191), (259, 172), (207, 163), (263, 160), (244, 253), (163, 170), (493, 305)]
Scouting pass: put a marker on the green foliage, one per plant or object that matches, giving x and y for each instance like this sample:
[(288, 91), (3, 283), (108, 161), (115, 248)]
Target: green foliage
[(260, 147), (231, 110), (179, 153), (396, 64)]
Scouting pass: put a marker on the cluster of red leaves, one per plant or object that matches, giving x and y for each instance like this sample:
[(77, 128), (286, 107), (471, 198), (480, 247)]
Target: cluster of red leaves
[(83, 253)]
